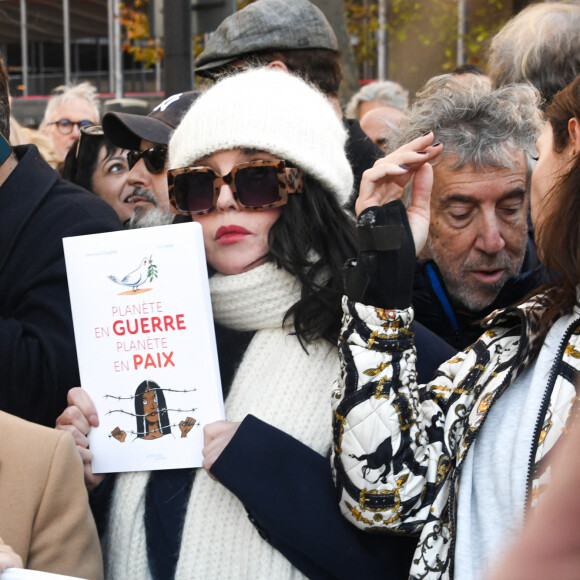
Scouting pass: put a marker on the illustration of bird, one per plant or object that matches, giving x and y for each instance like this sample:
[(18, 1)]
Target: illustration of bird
[(135, 278)]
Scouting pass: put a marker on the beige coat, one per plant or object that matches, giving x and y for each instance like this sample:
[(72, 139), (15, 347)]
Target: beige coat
[(44, 510)]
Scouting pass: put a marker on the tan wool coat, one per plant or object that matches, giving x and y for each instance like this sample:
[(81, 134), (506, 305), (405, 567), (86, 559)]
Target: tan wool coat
[(44, 510)]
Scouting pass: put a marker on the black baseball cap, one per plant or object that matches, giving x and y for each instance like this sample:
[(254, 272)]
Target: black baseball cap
[(126, 130)]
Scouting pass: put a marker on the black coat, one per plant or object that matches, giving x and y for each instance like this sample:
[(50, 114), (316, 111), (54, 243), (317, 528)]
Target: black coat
[(288, 491), (286, 487), (435, 309), (37, 348), (362, 152)]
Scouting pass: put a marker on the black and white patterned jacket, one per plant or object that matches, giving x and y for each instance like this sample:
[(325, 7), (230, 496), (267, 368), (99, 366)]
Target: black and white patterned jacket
[(399, 446)]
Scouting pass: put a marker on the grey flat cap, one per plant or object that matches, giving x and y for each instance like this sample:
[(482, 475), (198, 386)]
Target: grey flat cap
[(264, 26)]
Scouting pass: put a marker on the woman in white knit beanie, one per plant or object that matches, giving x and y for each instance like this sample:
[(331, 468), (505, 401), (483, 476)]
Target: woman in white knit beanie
[(277, 238), (259, 162)]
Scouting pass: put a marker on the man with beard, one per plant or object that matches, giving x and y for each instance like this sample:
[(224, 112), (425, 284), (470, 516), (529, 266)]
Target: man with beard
[(474, 258), (146, 138)]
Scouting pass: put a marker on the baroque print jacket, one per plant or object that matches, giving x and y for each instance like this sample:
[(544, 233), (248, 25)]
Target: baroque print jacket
[(399, 446)]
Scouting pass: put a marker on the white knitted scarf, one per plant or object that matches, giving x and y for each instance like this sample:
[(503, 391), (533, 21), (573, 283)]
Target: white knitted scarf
[(276, 381)]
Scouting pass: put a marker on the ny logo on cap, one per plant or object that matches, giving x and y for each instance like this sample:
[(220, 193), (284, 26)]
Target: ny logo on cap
[(168, 101)]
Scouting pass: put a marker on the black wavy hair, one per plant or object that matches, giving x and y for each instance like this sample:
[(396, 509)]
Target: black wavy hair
[(312, 239), (80, 169)]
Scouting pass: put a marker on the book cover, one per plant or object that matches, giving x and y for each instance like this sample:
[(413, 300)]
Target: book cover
[(146, 345)]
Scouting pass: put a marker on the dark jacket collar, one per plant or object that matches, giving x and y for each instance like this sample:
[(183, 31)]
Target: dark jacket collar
[(431, 302), (21, 194)]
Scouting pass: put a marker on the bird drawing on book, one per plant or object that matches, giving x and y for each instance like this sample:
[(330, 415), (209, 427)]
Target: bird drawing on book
[(138, 276)]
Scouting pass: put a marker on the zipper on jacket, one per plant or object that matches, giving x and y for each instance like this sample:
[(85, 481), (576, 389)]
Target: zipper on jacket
[(543, 409), (508, 379)]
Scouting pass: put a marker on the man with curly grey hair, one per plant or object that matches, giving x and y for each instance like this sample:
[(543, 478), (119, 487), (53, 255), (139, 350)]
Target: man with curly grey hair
[(479, 203)]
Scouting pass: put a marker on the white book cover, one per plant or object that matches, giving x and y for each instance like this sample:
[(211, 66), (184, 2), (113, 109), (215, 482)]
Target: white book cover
[(23, 574), (146, 345)]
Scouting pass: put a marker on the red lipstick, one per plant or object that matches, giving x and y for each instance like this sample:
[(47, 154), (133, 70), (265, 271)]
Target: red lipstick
[(231, 234)]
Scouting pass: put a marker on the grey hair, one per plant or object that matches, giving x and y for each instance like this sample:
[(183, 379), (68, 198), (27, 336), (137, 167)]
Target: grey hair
[(477, 126), (386, 92), (65, 93), (540, 45)]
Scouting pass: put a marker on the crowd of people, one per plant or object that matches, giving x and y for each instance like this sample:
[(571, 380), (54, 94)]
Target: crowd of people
[(396, 312)]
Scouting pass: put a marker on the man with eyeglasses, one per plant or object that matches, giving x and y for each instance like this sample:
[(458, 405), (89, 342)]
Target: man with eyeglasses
[(69, 109), (146, 138)]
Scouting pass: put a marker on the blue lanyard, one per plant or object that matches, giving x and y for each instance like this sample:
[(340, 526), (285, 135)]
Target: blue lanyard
[(440, 293)]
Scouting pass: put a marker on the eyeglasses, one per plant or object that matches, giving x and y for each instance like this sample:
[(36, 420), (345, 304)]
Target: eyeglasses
[(153, 158), (256, 185), (65, 126), (86, 132)]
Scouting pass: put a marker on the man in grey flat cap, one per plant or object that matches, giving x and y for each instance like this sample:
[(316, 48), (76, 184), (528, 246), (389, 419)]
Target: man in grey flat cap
[(296, 37)]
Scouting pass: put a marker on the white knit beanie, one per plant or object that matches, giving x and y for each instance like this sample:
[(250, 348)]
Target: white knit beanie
[(272, 111)]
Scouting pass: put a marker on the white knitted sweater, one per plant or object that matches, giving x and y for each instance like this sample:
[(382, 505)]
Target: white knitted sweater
[(276, 381)]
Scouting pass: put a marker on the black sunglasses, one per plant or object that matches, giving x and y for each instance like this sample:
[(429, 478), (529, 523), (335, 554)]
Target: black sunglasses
[(153, 158), (256, 185)]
